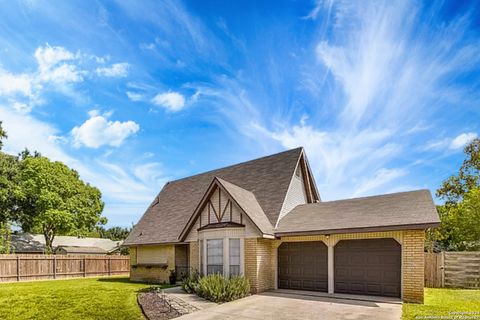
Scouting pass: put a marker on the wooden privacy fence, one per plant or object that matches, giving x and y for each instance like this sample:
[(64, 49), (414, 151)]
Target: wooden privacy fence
[(17, 267), (452, 270)]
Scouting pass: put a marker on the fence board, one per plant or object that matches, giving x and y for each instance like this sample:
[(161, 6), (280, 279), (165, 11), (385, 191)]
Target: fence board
[(452, 270), (25, 267)]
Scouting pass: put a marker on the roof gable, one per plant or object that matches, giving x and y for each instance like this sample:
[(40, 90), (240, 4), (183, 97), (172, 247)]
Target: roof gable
[(243, 199), (267, 178)]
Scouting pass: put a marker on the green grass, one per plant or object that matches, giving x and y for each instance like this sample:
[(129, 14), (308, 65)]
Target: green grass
[(445, 302), (93, 298)]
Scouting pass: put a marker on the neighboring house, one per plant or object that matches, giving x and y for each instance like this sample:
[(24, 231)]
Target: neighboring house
[(26, 243), (264, 219)]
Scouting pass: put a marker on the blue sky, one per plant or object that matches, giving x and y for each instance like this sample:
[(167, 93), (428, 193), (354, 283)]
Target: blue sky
[(383, 95)]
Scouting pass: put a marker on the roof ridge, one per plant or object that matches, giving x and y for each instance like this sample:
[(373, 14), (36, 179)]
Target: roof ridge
[(237, 164), (373, 196)]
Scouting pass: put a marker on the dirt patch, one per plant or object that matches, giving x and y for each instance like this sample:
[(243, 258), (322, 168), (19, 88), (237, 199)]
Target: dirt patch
[(154, 307)]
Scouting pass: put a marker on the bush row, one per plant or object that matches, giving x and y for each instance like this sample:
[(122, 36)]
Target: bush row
[(216, 287)]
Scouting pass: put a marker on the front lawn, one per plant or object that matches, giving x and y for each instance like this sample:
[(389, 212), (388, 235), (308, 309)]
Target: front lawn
[(449, 303), (92, 298)]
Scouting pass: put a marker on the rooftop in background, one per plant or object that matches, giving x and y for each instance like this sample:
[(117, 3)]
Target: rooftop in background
[(35, 243)]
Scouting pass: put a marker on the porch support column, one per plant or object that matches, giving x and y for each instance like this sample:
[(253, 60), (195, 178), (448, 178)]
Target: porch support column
[(331, 269)]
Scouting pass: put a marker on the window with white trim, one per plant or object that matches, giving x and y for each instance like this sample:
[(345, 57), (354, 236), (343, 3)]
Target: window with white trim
[(215, 256), (200, 254), (234, 252)]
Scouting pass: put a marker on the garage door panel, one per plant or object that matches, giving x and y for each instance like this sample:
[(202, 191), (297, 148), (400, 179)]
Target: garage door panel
[(368, 266), (306, 267)]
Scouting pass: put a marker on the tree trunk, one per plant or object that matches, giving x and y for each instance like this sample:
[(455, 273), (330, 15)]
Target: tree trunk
[(48, 241)]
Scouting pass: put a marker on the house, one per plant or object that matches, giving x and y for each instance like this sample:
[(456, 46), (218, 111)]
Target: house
[(26, 243), (264, 219)]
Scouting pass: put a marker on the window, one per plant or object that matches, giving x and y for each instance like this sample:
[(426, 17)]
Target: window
[(215, 256), (234, 251), (200, 255)]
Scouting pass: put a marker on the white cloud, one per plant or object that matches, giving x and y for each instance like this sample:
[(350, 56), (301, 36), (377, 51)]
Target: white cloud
[(344, 163), (171, 101), (54, 65), (462, 139), (64, 73), (47, 57), (22, 107), (115, 70), (126, 190), (134, 96), (99, 131), (15, 83), (379, 179), (58, 69)]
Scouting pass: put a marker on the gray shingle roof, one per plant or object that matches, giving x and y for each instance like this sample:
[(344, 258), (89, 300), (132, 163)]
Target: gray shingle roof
[(80, 250), (414, 209), (247, 202), (268, 178)]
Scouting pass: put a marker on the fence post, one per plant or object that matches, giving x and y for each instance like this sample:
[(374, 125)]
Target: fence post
[(84, 267), (54, 267), (442, 268), (109, 266), (18, 268)]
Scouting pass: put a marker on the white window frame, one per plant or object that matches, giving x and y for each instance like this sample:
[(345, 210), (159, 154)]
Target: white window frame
[(222, 251), (225, 234)]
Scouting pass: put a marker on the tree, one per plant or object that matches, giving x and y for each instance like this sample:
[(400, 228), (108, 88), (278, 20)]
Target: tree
[(468, 177), (460, 229), (9, 168), (460, 215), (114, 233), (54, 200), (3, 135)]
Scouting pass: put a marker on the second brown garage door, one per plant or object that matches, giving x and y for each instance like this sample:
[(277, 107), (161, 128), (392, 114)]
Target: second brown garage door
[(303, 266), (370, 267)]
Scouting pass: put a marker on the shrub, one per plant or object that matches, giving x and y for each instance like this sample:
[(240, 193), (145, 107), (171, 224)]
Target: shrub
[(217, 288), (190, 282)]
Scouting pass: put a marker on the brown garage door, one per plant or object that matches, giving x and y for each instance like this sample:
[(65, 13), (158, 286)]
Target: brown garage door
[(370, 267), (303, 266)]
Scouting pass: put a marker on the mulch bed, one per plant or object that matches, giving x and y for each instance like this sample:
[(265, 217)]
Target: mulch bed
[(155, 308)]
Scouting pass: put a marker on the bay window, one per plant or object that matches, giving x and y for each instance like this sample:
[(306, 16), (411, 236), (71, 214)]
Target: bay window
[(234, 259), (215, 256), (220, 256)]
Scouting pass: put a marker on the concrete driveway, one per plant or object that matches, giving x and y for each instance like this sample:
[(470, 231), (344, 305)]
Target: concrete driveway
[(286, 306)]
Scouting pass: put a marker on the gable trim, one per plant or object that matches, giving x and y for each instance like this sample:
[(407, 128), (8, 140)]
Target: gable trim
[(203, 202)]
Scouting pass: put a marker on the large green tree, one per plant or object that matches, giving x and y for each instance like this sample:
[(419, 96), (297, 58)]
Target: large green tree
[(468, 177), (460, 215), (53, 200), (8, 179), (460, 228), (3, 135)]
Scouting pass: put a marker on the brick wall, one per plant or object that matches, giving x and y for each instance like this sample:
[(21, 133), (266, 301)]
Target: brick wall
[(413, 265), (194, 258), (152, 255), (265, 265), (153, 274), (260, 264), (251, 262)]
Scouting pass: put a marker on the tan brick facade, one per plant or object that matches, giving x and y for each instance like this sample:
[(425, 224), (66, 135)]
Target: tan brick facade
[(260, 260), (194, 256), (413, 265), (151, 255), (260, 264)]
